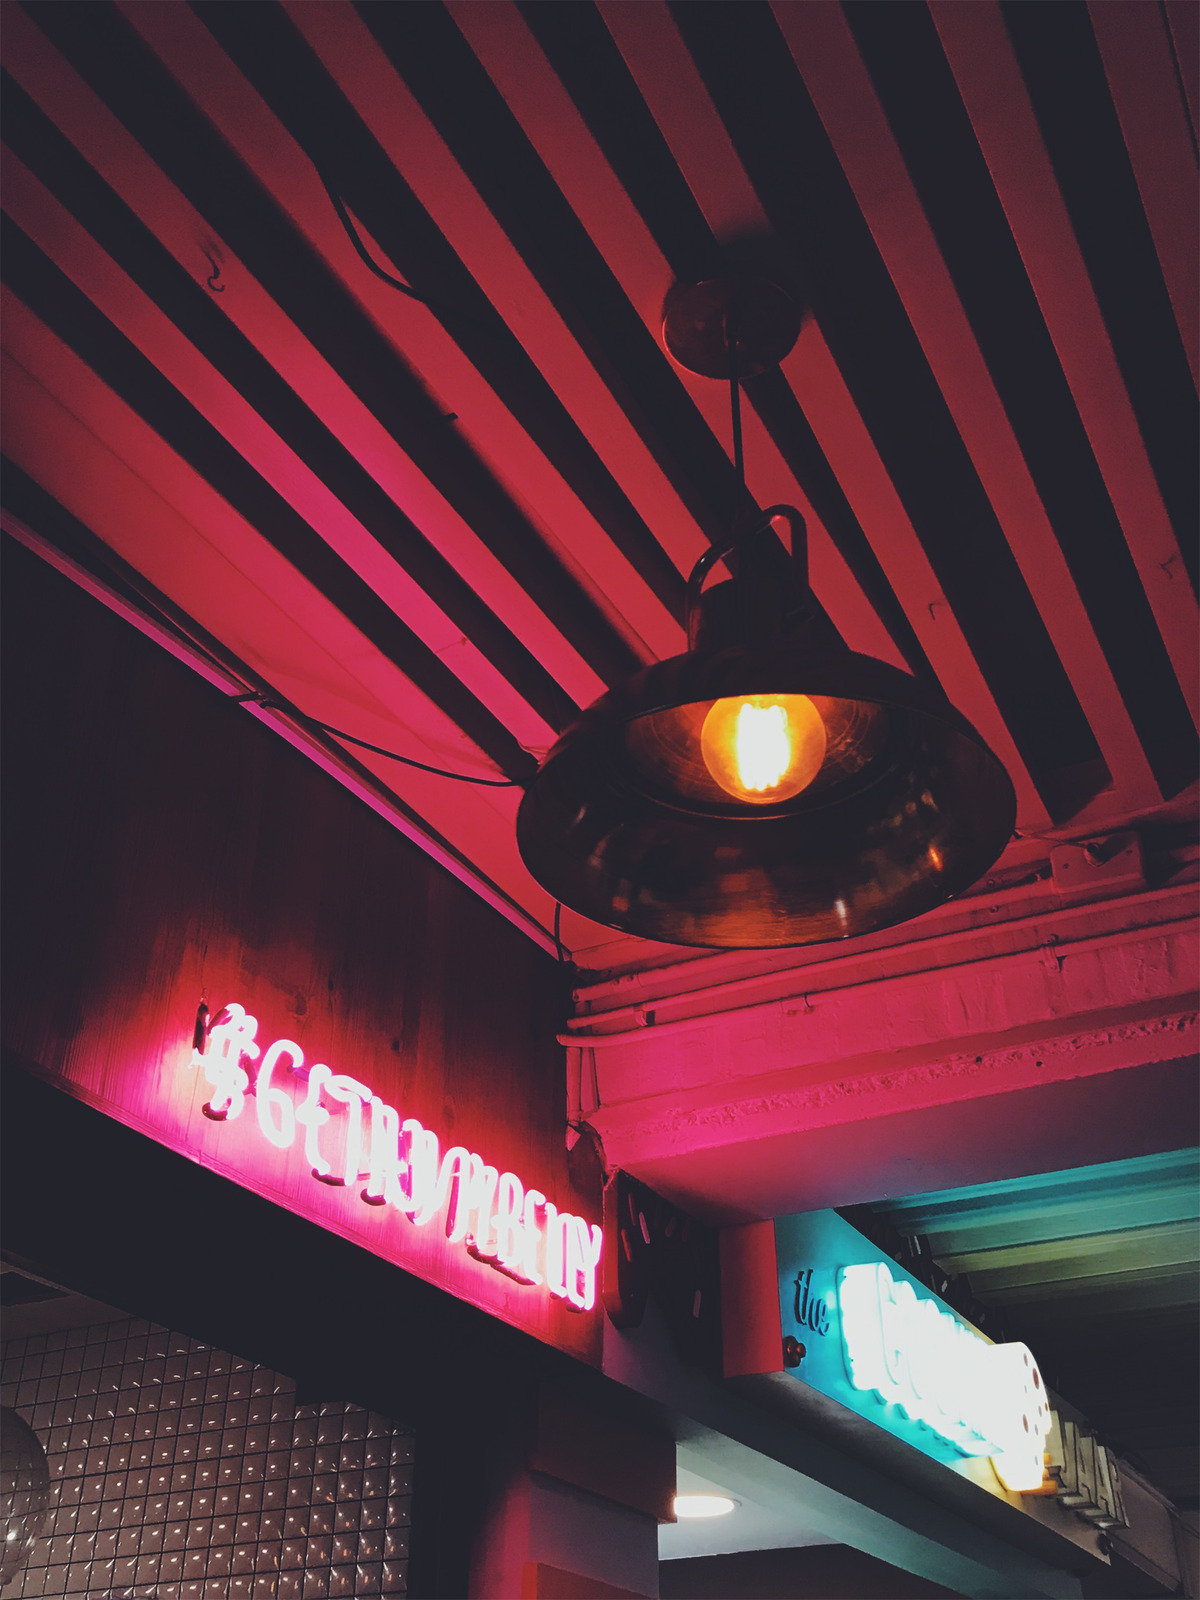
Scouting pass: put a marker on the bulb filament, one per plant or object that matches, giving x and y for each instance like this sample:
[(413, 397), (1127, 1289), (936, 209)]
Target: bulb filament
[(763, 749)]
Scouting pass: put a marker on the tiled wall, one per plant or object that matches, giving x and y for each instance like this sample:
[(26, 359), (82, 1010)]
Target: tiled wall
[(180, 1472)]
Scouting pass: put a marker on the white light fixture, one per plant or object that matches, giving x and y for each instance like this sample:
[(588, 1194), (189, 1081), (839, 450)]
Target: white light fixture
[(688, 1506)]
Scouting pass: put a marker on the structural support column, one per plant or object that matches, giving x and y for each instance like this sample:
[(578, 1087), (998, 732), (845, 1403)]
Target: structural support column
[(575, 1495)]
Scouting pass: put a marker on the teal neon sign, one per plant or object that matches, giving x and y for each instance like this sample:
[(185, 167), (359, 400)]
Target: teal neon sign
[(880, 1343)]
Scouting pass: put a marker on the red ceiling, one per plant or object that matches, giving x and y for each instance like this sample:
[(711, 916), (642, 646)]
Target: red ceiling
[(445, 527)]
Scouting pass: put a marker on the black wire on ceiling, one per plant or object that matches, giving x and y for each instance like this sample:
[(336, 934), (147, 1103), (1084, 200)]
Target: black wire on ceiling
[(564, 957), (398, 284), (347, 221), (376, 749)]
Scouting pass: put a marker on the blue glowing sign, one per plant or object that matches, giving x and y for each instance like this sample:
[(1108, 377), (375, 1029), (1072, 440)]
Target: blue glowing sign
[(880, 1343)]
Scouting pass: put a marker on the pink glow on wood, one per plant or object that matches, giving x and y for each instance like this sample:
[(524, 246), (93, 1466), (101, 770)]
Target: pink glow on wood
[(491, 1215)]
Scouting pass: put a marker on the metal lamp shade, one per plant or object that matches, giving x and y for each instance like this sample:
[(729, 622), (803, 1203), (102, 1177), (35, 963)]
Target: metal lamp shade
[(624, 824)]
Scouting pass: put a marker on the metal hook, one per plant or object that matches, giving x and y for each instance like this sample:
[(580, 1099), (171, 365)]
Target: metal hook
[(211, 280), (727, 545)]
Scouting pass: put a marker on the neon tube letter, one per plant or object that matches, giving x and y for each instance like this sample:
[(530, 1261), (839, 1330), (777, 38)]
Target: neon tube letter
[(527, 1269), (354, 1096), (269, 1100), (312, 1117), (229, 1039), (382, 1176), (510, 1208), (583, 1254)]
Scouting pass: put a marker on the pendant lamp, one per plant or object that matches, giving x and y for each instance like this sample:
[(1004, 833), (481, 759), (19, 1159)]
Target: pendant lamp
[(768, 787)]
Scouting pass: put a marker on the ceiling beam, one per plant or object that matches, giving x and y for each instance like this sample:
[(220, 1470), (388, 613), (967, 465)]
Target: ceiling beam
[(333, 131), (646, 244), (53, 298), (1140, 64), (985, 67), (135, 86), (825, 54), (311, 448)]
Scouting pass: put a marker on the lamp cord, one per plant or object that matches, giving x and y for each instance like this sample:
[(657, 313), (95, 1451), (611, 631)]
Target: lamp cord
[(439, 307), (377, 749), (735, 395)]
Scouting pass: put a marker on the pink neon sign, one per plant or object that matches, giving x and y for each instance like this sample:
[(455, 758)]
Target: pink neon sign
[(399, 1163)]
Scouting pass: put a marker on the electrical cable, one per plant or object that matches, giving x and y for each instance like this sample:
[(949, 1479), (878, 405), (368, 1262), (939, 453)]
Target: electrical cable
[(376, 749), (364, 255), (735, 393), (439, 308), (163, 625)]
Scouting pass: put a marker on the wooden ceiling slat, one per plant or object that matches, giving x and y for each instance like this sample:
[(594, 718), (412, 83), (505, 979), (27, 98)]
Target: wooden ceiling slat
[(1139, 62), (535, 104), (825, 54), (1118, 1249), (700, 207), (780, 139), (314, 447), (605, 97), (814, 378), (70, 106), (1064, 76), (916, 89), (265, 45), (989, 79), (668, 78), (458, 94), (41, 286), (598, 519), (671, 86), (292, 465), (1126, 1263), (75, 438), (135, 86), (639, 249), (1183, 25), (568, 544)]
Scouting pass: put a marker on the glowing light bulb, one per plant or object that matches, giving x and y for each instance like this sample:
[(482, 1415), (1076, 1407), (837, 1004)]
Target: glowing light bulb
[(763, 748), (761, 745)]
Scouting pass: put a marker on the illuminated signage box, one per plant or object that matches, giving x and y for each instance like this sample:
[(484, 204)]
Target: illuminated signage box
[(811, 1299)]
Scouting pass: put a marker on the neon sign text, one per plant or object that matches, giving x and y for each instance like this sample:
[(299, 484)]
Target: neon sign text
[(352, 1137), (986, 1399)]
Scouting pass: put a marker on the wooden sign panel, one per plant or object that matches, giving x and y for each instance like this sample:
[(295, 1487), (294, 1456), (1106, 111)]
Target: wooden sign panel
[(165, 849)]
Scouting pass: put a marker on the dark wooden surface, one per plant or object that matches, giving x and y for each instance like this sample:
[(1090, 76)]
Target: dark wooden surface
[(161, 845)]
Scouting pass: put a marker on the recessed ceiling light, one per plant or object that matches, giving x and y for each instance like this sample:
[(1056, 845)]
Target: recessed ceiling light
[(703, 1505)]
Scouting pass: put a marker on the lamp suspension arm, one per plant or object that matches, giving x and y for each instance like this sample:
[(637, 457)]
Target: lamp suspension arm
[(735, 393), (743, 529), (726, 546)]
